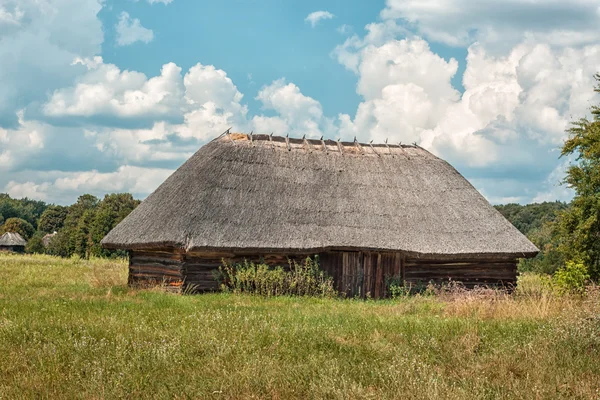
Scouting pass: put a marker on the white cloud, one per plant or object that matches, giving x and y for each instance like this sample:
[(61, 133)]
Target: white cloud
[(27, 189), (205, 83), (11, 16), (104, 92), (348, 53), (157, 1), (106, 95), (344, 29), (511, 117), (39, 45), (130, 30), (17, 145), (182, 112), (502, 23), (314, 17), (528, 96), (297, 114), (406, 89), (553, 188), (64, 187)]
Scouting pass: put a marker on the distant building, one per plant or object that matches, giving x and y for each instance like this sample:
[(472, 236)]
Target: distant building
[(371, 212), (12, 241), (48, 238)]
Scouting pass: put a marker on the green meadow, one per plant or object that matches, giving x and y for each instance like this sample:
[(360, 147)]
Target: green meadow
[(71, 328)]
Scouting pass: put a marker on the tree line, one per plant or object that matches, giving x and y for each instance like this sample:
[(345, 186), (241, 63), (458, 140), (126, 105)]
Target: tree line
[(76, 229)]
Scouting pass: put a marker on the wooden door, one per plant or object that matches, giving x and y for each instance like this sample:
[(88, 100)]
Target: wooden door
[(362, 274)]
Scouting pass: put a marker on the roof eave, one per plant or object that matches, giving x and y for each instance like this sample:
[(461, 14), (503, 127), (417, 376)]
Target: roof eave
[(178, 247)]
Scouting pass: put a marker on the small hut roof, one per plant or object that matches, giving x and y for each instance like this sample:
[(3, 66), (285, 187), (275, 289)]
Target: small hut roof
[(48, 238), (258, 192), (12, 239)]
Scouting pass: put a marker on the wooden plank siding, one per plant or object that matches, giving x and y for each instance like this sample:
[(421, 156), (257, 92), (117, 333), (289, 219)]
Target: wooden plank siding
[(470, 273), (151, 268), (354, 273), (362, 274)]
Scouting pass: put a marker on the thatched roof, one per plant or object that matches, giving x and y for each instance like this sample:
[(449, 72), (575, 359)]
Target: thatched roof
[(12, 239), (48, 238), (242, 193)]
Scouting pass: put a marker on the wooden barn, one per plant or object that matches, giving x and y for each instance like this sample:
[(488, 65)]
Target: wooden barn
[(371, 212), (12, 241)]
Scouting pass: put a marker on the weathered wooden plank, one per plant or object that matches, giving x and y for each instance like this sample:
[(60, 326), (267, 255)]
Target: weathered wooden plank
[(145, 259), (378, 277), (160, 253), (157, 265), (413, 261), (462, 274)]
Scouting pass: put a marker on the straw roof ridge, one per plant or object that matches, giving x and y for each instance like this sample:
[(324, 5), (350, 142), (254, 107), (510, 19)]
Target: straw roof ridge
[(12, 239), (326, 145), (271, 193)]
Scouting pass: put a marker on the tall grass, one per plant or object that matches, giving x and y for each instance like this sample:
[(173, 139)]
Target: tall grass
[(300, 279), (68, 332)]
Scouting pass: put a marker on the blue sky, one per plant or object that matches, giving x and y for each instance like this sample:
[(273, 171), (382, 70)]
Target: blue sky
[(256, 42), (264, 40), (104, 96)]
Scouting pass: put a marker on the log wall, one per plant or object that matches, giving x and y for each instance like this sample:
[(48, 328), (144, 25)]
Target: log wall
[(151, 268), (470, 273), (13, 249), (362, 274)]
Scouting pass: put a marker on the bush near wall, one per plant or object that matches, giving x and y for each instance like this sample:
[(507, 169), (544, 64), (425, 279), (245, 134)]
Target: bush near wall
[(305, 279)]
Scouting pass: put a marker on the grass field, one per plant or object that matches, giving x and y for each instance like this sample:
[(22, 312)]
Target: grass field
[(72, 329)]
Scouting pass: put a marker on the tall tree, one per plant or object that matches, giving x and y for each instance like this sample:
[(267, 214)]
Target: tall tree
[(578, 227), (27, 209), (35, 244), (76, 225), (52, 219), (20, 226), (86, 223), (111, 210)]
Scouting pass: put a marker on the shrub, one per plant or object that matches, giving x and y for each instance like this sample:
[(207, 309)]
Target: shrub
[(397, 287), (571, 278), (534, 285), (35, 245), (304, 279)]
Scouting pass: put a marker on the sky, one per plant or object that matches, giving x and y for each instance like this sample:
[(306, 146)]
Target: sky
[(102, 96)]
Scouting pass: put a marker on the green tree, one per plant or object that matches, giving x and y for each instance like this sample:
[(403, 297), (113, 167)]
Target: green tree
[(27, 209), (536, 221), (76, 225), (35, 244), (52, 219), (531, 217), (549, 260), (111, 210), (87, 222), (59, 245), (19, 226), (578, 228)]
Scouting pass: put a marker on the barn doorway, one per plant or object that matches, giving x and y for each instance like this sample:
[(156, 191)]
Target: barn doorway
[(362, 274)]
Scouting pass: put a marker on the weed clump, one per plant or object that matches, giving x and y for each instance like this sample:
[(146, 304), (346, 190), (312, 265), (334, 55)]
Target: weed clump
[(299, 279)]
